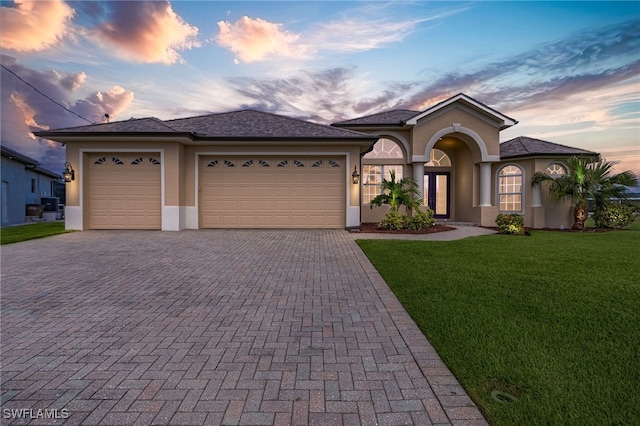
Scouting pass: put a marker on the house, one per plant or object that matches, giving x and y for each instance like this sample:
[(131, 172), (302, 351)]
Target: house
[(251, 169), (24, 183)]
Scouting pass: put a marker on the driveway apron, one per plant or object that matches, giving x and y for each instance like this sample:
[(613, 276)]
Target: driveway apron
[(234, 327)]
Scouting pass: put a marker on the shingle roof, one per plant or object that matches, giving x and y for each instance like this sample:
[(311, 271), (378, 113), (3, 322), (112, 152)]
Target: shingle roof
[(257, 124), (395, 117), (243, 124), (133, 125), (523, 146)]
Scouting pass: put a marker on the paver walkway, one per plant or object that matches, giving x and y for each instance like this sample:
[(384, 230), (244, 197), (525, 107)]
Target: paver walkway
[(213, 327)]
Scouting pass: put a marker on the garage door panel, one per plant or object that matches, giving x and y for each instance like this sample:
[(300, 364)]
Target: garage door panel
[(294, 195), (245, 191), (123, 191), (246, 205)]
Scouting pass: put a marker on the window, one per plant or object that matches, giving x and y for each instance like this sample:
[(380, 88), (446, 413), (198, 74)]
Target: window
[(510, 189), (556, 170), (33, 186), (387, 156), (438, 159), (372, 176), (385, 148)]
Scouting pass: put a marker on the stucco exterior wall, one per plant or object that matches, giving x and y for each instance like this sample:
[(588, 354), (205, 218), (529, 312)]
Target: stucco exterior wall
[(426, 128)]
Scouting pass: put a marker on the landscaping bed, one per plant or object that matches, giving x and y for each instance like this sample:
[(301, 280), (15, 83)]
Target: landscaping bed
[(370, 227)]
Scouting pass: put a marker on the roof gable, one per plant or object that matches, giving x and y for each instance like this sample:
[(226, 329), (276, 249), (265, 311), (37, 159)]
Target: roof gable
[(523, 146), (502, 120), (402, 117)]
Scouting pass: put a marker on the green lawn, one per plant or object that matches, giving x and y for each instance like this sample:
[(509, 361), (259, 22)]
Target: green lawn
[(553, 318), (15, 234)]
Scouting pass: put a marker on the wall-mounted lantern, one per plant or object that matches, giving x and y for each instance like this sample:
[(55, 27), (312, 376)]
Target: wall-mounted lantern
[(69, 174), (355, 177)]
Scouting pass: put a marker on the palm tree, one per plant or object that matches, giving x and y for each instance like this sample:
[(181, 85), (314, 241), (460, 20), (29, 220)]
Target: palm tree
[(584, 180), (398, 193)]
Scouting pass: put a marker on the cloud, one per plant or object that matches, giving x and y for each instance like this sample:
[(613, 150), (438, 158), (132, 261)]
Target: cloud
[(25, 111), (254, 40), (33, 25), (146, 31), (374, 26)]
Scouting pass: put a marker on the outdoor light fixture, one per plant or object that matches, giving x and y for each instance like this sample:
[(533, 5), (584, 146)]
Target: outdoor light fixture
[(69, 174), (355, 177)]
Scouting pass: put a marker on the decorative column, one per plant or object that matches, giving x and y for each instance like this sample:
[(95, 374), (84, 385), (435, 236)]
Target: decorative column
[(485, 184), (536, 195), (418, 175)]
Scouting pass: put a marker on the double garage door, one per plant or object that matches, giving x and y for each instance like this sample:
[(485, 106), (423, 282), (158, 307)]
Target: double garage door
[(124, 191), (271, 192)]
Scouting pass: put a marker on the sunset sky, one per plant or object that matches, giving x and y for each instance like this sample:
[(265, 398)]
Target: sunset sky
[(569, 72)]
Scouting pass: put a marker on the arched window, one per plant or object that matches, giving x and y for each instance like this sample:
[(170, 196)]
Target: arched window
[(556, 170), (510, 189), (387, 156), (385, 148), (438, 159)]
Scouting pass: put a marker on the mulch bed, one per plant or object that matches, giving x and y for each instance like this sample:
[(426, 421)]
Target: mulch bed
[(373, 228)]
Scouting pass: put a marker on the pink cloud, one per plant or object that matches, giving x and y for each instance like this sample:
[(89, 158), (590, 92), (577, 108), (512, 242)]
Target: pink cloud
[(34, 25), (148, 32), (253, 40), (25, 111)]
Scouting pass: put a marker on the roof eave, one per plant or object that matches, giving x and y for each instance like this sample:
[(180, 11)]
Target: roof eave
[(64, 137), (287, 139), (548, 155)]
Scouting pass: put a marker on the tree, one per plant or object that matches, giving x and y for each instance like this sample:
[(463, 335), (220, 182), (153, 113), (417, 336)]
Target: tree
[(398, 193), (586, 179)]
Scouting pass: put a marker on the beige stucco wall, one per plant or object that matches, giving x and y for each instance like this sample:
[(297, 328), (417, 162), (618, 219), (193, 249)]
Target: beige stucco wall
[(552, 214), (425, 129)]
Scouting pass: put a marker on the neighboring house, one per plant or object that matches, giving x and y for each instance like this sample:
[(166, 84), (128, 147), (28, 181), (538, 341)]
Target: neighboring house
[(24, 183), (250, 169)]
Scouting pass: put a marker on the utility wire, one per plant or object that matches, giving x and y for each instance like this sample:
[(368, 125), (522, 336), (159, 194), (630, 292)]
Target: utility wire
[(46, 96)]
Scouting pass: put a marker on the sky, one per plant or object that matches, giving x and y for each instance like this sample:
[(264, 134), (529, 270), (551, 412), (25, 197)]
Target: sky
[(568, 72)]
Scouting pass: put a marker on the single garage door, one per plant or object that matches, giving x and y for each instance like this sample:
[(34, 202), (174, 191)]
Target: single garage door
[(272, 192), (124, 191)]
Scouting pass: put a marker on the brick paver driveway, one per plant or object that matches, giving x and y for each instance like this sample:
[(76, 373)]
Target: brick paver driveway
[(213, 327)]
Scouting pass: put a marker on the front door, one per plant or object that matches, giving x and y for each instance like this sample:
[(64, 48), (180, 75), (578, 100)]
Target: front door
[(437, 193)]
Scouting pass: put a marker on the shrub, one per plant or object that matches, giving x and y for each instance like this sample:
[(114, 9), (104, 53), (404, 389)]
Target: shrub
[(394, 221), (612, 215), (512, 224), (421, 220)]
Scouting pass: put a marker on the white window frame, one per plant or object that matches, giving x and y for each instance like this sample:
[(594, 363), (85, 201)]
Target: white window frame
[(556, 175), (385, 173), (501, 193)]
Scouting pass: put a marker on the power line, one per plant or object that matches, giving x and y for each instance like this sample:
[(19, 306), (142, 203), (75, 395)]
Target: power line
[(46, 96)]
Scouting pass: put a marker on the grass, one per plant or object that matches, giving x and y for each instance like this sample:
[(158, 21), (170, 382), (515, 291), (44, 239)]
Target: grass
[(15, 234), (553, 319)]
